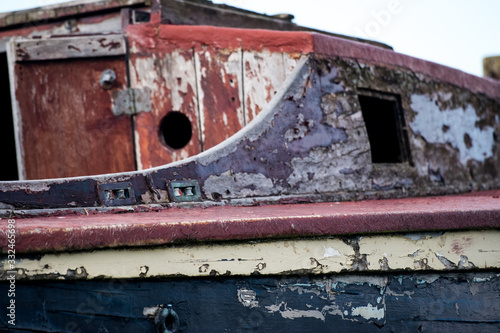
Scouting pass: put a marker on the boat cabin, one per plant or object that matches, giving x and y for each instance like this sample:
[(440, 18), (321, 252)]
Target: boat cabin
[(180, 166)]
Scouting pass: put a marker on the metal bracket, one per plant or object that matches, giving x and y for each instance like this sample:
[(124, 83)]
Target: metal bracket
[(131, 101), (184, 190), (116, 194)]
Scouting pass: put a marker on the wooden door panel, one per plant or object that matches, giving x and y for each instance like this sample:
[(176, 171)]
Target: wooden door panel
[(171, 79), (67, 127)]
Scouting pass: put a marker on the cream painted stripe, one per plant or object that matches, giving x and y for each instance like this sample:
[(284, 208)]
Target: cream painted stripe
[(451, 250)]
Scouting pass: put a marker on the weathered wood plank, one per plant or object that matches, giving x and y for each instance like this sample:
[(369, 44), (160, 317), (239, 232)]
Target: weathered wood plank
[(69, 47), (60, 10), (414, 252), (65, 124), (264, 72), (171, 79), (220, 94), (341, 303)]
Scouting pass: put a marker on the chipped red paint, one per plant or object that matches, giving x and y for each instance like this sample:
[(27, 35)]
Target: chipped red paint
[(66, 233), (168, 37), (65, 111), (152, 149), (218, 87), (221, 106)]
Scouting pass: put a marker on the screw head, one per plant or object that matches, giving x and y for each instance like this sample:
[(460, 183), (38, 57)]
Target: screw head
[(108, 78)]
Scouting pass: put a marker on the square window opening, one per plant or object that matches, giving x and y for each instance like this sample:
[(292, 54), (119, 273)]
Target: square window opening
[(385, 125)]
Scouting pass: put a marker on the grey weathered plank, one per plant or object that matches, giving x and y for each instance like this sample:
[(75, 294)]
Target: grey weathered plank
[(69, 47)]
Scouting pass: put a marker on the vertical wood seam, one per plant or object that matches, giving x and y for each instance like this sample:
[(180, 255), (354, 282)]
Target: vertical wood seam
[(243, 86), (132, 117), (198, 109), (16, 111)]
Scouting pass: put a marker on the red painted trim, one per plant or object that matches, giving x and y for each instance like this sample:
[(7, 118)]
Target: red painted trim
[(168, 37), (338, 47), (66, 233)]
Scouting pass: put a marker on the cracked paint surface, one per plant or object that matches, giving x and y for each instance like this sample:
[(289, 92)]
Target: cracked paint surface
[(249, 185), (375, 253), (398, 302), (457, 127), (310, 140)]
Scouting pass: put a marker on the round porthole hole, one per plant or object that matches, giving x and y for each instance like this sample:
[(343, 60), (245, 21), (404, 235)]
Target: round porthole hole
[(176, 130)]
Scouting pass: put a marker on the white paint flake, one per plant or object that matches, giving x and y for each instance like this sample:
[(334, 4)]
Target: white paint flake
[(330, 252), (368, 312), (452, 127), (248, 298), (289, 313)]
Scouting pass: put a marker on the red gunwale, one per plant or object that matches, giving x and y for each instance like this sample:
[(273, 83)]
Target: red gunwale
[(480, 210)]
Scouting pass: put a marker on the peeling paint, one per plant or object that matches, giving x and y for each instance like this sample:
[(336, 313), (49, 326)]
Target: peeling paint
[(149, 197), (330, 252), (279, 257), (302, 128), (262, 79), (472, 141), (248, 298), (369, 312), (289, 313), (229, 185), (330, 160), (31, 187)]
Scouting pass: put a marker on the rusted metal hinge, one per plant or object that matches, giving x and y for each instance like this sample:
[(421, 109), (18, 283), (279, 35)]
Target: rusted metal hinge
[(131, 101)]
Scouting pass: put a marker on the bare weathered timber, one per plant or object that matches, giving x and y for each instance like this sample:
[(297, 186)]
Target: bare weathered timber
[(69, 47), (46, 14), (264, 73)]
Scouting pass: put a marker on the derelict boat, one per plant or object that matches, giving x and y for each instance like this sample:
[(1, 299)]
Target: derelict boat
[(190, 167)]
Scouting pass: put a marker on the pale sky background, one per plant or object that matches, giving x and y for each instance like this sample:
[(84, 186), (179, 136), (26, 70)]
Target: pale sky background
[(456, 33)]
